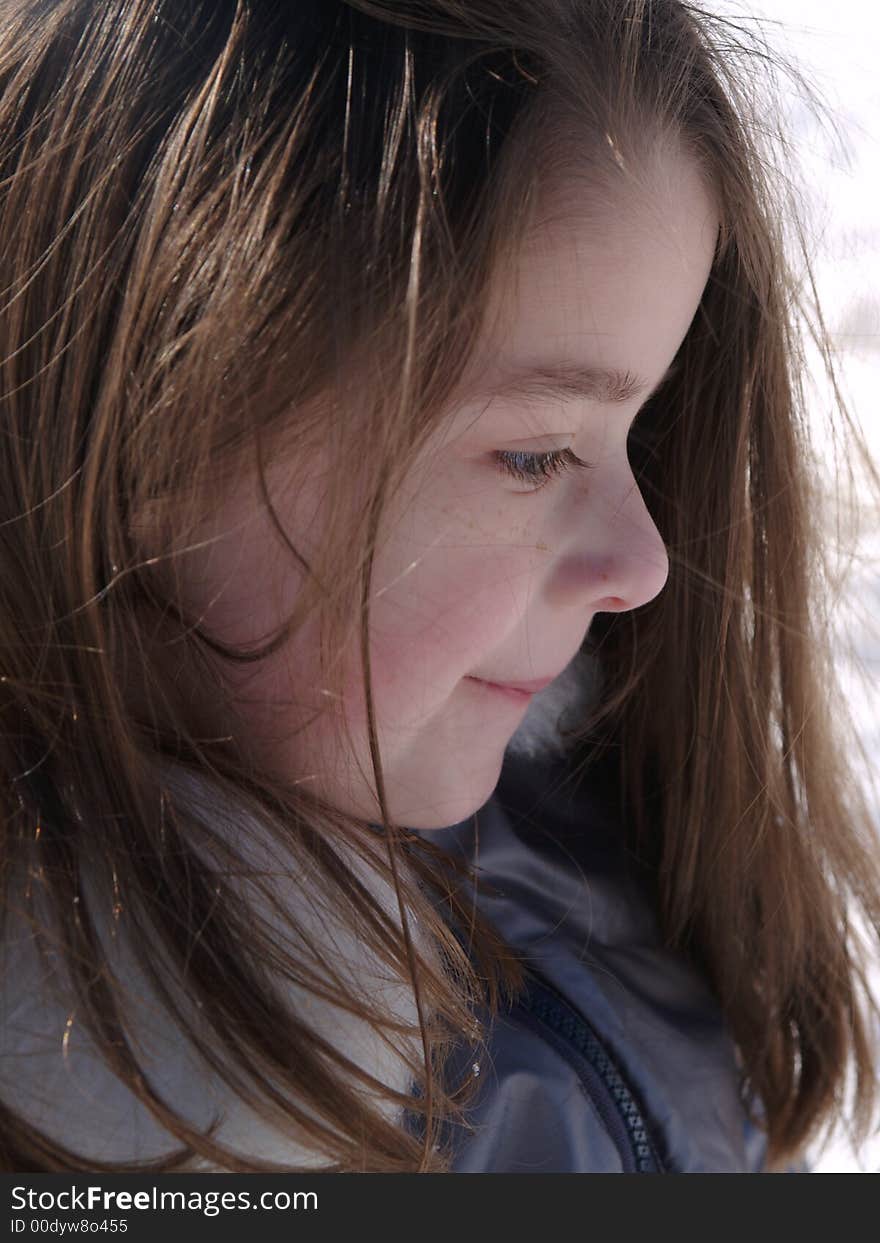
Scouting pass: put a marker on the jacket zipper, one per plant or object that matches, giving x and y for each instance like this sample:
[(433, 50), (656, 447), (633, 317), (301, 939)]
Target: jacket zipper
[(542, 1006)]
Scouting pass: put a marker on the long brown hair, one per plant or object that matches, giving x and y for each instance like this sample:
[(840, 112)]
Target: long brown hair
[(223, 224)]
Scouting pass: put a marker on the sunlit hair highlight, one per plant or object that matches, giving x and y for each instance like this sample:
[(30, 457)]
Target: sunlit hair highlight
[(231, 230)]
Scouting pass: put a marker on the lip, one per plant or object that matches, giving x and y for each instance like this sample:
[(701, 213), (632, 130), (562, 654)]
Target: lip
[(530, 688), (520, 692)]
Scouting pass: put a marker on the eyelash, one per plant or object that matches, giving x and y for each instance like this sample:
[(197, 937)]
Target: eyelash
[(538, 467)]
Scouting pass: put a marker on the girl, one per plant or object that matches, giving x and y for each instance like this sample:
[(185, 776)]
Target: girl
[(360, 361)]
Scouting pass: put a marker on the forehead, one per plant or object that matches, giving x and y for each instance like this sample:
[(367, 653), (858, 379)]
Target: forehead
[(611, 286)]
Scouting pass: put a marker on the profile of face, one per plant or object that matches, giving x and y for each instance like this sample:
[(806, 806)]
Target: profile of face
[(482, 575)]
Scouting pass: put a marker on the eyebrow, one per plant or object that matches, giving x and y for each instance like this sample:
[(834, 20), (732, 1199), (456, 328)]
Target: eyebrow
[(565, 380)]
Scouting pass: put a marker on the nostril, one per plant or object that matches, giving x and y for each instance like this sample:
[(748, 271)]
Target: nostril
[(610, 604)]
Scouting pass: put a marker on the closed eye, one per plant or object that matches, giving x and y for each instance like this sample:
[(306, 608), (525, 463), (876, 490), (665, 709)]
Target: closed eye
[(538, 468)]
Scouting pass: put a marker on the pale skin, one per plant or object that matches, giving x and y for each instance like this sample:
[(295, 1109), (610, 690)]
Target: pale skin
[(480, 574)]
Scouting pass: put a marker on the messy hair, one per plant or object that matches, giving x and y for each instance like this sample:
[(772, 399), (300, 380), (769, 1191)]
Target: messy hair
[(229, 227)]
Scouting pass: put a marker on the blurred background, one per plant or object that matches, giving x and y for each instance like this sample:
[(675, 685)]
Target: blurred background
[(837, 167)]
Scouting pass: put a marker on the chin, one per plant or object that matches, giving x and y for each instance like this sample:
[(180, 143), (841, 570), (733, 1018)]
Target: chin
[(448, 811)]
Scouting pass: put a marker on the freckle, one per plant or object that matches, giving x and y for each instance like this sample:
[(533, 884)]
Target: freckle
[(541, 546)]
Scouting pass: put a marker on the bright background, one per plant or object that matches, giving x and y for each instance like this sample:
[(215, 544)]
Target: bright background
[(837, 46)]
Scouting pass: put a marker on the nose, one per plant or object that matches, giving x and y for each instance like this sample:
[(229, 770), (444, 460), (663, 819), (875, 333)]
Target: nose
[(616, 559)]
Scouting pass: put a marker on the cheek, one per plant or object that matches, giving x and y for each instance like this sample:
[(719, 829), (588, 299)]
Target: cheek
[(435, 621), (452, 579)]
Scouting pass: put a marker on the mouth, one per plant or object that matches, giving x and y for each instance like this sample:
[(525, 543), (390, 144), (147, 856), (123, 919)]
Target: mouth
[(513, 694)]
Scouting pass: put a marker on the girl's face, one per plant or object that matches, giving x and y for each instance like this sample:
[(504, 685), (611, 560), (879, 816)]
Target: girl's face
[(480, 574)]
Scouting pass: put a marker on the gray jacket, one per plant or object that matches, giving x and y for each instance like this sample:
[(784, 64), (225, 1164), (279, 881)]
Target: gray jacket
[(616, 1059)]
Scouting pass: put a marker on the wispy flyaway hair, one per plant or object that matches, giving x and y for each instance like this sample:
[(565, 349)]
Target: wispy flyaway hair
[(229, 227)]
